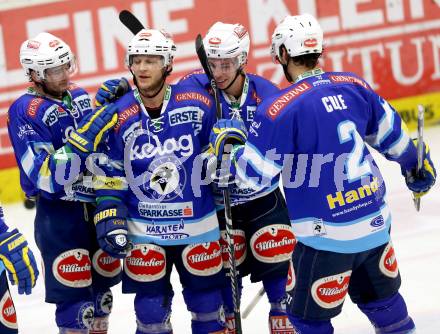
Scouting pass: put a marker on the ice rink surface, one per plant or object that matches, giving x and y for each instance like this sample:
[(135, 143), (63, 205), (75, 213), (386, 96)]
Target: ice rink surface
[(416, 238)]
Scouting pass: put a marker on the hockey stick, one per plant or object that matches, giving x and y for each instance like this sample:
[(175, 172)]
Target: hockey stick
[(129, 20), (201, 53), (253, 303), (420, 125)]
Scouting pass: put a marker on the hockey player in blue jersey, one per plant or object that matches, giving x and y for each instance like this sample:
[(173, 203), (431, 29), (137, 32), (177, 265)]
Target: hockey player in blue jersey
[(257, 217), (18, 261), (53, 130), (314, 133), (152, 152)]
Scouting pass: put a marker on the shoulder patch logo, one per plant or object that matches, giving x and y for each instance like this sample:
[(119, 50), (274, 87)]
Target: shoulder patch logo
[(126, 114), (193, 96), (281, 102), (348, 78), (33, 106)]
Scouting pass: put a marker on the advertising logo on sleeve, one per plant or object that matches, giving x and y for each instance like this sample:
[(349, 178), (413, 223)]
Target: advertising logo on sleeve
[(203, 259), (73, 268), (329, 292), (388, 263), (281, 102), (105, 264), (273, 243), (239, 247), (8, 317), (145, 263), (33, 106)]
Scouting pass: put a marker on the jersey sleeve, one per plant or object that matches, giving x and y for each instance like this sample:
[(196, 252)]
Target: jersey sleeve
[(388, 134), (47, 169), (261, 159)]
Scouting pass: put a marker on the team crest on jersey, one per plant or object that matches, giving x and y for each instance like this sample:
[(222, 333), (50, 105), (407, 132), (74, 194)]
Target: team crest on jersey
[(104, 302), (86, 315), (291, 279), (105, 264), (239, 247), (73, 268), (388, 263), (166, 179), (8, 317), (203, 259), (273, 243), (145, 263), (329, 292)]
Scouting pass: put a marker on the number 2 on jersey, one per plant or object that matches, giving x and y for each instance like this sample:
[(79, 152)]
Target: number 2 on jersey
[(355, 167)]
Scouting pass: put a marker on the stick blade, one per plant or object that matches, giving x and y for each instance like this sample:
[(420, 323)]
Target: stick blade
[(129, 20)]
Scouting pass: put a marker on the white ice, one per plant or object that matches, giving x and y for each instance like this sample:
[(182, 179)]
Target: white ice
[(416, 238)]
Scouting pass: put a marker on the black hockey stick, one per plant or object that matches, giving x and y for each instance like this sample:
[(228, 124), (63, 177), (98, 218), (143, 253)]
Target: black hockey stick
[(201, 53), (128, 19)]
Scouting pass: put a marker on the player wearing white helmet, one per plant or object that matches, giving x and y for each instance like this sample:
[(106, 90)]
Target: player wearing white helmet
[(53, 130), (257, 217), (152, 152), (339, 214)]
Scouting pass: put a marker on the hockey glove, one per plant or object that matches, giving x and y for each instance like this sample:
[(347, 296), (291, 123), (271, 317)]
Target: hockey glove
[(111, 228), (111, 90), (419, 182), (226, 131), (18, 260), (92, 128)]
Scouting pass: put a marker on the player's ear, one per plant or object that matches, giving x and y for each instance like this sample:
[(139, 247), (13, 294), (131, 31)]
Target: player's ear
[(34, 76), (284, 54)]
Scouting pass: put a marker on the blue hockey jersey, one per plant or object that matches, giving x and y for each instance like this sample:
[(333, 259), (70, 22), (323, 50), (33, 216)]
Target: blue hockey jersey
[(255, 89), (3, 226), (38, 126), (314, 133), (155, 167)]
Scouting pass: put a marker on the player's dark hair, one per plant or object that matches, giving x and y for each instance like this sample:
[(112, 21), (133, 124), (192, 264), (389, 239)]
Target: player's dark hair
[(308, 60)]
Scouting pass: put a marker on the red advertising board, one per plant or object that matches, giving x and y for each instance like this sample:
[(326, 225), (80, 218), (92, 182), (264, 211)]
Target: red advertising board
[(394, 45)]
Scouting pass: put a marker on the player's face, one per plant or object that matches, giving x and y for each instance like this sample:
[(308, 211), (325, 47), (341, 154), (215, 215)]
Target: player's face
[(224, 70), (56, 79), (148, 71)]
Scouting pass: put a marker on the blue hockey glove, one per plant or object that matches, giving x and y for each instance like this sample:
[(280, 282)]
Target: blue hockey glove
[(111, 90), (111, 228), (92, 128), (226, 131), (421, 182), (18, 260)]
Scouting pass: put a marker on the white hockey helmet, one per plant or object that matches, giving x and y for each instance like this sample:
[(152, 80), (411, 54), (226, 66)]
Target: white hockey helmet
[(300, 34), (152, 42), (225, 40), (45, 51)]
